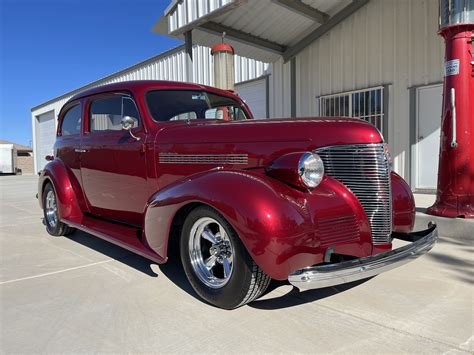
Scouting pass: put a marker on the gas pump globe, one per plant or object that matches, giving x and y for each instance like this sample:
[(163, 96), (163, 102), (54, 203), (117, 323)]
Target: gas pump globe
[(455, 192)]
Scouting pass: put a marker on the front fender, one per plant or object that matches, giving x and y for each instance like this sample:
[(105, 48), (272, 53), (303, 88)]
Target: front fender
[(277, 223), (403, 205), (56, 173)]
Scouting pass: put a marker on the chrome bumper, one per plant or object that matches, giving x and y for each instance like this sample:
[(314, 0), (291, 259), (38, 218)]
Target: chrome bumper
[(362, 268)]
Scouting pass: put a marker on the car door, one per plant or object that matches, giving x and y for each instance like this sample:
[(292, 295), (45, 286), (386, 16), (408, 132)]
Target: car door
[(113, 163), (67, 146)]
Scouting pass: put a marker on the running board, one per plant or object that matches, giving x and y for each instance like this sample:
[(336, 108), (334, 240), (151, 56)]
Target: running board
[(118, 234)]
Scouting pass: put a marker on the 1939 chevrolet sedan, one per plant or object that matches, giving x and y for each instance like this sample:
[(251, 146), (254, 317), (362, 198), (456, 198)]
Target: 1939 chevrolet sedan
[(310, 200)]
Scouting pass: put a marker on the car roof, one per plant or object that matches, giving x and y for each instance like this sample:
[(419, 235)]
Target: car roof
[(148, 84)]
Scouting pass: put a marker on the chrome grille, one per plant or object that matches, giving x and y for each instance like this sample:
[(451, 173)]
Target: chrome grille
[(364, 169), (338, 230)]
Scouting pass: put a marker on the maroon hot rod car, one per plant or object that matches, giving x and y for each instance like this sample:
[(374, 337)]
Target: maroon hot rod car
[(311, 200)]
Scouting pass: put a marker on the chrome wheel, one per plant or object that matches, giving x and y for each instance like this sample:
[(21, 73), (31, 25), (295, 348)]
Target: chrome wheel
[(51, 209), (211, 252)]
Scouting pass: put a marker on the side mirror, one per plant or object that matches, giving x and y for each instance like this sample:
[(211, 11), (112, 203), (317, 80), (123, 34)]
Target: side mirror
[(127, 124)]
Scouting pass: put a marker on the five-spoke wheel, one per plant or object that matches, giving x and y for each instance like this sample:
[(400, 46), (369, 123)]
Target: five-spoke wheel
[(51, 209), (211, 252), (216, 262), (51, 213)]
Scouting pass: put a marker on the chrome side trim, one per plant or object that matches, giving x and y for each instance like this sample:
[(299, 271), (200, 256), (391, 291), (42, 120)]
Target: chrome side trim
[(221, 159), (362, 268)]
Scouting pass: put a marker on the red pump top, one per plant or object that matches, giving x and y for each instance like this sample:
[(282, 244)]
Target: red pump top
[(222, 47)]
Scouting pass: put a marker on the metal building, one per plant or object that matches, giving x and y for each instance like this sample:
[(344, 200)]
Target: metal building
[(250, 77), (379, 60)]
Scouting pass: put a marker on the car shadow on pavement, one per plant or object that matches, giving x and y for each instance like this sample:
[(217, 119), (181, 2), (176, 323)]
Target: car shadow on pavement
[(296, 297), (114, 252), (173, 270)]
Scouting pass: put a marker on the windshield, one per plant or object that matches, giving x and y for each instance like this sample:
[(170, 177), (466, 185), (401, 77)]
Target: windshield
[(172, 105)]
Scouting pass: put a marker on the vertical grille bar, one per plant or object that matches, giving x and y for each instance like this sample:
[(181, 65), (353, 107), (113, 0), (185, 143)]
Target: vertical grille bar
[(364, 169)]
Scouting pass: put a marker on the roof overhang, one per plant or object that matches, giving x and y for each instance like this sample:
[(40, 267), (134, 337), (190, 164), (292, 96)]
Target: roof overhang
[(265, 30)]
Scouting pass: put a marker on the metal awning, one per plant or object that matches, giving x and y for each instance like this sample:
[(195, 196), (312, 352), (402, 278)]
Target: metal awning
[(265, 29)]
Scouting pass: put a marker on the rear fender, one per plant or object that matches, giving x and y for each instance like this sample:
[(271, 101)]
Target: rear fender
[(56, 173), (275, 222)]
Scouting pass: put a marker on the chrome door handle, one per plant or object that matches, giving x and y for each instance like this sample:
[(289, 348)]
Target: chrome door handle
[(77, 150)]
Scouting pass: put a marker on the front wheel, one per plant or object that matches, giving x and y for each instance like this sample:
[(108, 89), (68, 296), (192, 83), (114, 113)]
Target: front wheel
[(216, 263), (51, 214)]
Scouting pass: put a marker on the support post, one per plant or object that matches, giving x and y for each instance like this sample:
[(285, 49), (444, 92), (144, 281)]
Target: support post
[(293, 86), (188, 47)]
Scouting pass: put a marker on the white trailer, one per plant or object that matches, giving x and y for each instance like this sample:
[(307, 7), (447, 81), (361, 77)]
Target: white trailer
[(7, 159)]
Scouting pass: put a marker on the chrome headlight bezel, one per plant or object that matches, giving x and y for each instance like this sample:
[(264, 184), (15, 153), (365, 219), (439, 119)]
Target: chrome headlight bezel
[(311, 169)]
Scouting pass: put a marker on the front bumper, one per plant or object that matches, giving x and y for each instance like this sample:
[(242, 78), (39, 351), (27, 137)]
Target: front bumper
[(362, 268)]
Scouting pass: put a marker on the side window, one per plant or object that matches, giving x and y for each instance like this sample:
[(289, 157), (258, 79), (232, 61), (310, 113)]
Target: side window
[(106, 114), (71, 123), (130, 109)]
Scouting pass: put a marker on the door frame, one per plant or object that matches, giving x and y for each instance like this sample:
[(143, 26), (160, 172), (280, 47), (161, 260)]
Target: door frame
[(414, 134)]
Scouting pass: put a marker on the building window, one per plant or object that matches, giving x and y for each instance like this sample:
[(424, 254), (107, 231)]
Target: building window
[(366, 104)]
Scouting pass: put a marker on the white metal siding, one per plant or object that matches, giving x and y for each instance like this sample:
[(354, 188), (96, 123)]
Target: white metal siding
[(253, 93), (386, 42)]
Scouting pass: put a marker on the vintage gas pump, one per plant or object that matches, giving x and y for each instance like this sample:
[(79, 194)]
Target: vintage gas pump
[(223, 55), (455, 193)]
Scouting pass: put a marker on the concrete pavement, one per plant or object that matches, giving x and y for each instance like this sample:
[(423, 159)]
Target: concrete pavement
[(457, 228), (81, 294)]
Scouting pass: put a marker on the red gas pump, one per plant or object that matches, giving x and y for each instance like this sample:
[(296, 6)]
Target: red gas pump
[(455, 194)]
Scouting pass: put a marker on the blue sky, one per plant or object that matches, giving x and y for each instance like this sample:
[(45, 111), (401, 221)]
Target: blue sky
[(49, 47)]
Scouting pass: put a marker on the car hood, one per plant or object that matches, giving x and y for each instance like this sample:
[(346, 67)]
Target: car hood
[(263, 139)]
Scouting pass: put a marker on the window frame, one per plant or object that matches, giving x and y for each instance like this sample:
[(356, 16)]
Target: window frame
[(242, 104), (381, 116), (102, 96), (63, 114)]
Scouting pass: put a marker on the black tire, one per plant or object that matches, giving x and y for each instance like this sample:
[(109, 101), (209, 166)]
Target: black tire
[(58, 228), (246, 281)]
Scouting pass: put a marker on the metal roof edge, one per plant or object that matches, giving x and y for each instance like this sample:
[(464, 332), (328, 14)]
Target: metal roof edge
[(171, 6), (123, 71)]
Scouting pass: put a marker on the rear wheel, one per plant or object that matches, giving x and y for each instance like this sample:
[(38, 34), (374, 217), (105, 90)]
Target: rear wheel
[(216, 263), (51, 214)]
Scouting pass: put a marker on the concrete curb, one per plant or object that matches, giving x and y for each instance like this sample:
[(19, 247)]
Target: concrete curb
[(456, 228)]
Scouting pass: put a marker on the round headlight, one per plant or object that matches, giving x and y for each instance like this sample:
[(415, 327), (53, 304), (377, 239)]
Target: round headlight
[(311, 169)]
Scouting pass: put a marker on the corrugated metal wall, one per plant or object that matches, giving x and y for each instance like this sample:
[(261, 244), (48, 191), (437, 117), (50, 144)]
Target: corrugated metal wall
[(170, 66), (387, 42), (188, 11)]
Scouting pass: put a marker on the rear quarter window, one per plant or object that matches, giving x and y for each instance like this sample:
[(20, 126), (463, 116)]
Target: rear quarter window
[(71, 123)]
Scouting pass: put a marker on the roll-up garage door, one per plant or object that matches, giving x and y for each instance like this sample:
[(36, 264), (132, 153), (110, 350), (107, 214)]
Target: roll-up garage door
[(45, 137), (254, 95)]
